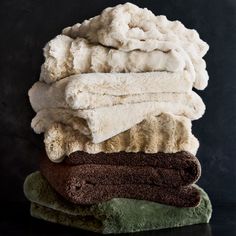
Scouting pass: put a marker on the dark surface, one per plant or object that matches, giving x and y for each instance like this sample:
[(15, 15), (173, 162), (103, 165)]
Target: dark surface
[(26, 26), (17, 221)]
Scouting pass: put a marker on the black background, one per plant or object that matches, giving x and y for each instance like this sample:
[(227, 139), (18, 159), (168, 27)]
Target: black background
[(26, 26)]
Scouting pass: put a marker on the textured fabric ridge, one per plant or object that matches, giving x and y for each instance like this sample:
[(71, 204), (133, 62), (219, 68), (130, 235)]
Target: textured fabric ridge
[(165, 133), (106, 75), (128, 27)]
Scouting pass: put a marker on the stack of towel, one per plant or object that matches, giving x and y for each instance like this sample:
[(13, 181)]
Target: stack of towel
[(115, 104)]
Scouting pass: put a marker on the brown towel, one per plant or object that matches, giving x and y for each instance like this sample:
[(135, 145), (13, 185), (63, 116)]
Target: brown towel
[(94, 183), (171, 169)]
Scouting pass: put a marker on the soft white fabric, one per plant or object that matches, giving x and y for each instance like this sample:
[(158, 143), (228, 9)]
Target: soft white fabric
[(65, 57), (105, 122), (164, 133), (57, 54), (46, 117), (42, 95), (128, 27), (78, 109), (93, 90), (107, 89)]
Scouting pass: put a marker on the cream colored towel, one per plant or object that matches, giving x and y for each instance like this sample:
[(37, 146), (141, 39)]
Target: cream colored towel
[(105, 122), (94, 90)]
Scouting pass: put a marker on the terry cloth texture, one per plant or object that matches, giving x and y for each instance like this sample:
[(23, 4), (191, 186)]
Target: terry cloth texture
[(171, 169), (118, 215), (94, 183)]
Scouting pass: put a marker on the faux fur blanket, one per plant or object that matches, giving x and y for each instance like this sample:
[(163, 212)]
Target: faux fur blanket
[(128, 27), (108, 114), (65, 56), (103, 123), (161, 180), (165, 133), (85, 91), (119, 215)]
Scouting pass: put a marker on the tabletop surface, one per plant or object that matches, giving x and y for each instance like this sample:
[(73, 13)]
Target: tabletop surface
[(16, 220)]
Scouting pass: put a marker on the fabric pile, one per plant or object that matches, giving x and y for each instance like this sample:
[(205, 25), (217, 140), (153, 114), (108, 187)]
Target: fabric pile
[(115, 104)]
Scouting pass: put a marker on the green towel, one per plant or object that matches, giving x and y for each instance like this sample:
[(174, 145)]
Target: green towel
[(118, 215)]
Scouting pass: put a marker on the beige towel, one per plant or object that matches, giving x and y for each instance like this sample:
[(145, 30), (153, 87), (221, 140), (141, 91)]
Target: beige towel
[(165, 133)]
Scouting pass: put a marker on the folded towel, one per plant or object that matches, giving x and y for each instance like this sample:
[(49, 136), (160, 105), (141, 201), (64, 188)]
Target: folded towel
[(166, 169), (94, 183), (94, 90), (65, 56), (165, 133), (128, 27), (118, 215), (98, 123), (108, 89), (171, 169), (90, 91)]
